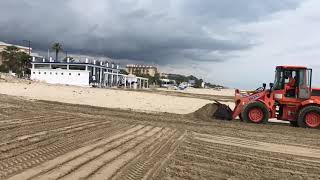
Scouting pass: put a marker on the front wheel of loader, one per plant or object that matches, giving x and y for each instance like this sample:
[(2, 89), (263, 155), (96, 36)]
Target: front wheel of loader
[(255, 112)]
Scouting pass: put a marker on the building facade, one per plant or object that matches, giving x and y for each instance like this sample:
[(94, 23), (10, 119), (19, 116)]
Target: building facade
[(142, 70), (71, 73), (94, 73)]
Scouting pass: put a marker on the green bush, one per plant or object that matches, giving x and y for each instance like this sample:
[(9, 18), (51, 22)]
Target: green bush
[(15, 60), (3, 68)]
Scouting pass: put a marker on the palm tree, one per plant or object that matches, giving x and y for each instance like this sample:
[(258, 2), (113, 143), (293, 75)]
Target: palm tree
[(57, 47)]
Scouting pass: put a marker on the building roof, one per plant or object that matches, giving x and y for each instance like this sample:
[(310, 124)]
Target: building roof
[(292, 67), (18, 46), (139, 66), (116, 66)]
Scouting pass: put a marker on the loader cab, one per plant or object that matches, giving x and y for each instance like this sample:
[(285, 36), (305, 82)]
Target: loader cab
[(293, 81)]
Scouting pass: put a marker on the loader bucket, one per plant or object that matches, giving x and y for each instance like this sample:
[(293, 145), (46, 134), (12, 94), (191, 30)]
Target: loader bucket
[(223, 112), (214, 111)]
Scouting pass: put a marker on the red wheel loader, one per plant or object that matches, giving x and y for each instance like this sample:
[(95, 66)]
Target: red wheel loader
[(290, 98)]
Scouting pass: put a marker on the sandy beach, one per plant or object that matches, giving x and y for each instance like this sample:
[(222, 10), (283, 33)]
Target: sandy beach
[(148, 134), (215, 92), (49, 140), (111, 98)]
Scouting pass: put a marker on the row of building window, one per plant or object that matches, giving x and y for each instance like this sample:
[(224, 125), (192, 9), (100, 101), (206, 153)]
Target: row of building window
[(55, 73), (137, 71)]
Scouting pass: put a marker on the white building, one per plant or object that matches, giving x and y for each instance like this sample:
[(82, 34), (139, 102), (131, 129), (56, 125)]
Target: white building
[(80, 74), (133, 81)]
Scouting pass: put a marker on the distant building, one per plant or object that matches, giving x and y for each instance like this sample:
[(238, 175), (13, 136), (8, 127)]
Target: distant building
[(4, 45), (142, 70), (164, 75)]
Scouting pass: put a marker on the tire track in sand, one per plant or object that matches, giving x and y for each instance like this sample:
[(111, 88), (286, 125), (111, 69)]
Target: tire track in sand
[(159, 165), (10, 124), (35, 141), (110, 163), (52, 167), (58, 147), (5, 146), (263, 156), (45, 124), (271, 147), (145, 164)]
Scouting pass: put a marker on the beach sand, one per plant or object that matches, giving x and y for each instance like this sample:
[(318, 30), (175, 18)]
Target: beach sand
[(222, 92), (111, 98)]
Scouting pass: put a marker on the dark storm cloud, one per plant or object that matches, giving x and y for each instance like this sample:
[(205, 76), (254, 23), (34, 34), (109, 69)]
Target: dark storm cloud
[(155, 31)]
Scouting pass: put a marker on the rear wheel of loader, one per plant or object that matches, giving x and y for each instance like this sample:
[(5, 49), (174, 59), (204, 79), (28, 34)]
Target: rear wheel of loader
[(309, 117), (255, 112)]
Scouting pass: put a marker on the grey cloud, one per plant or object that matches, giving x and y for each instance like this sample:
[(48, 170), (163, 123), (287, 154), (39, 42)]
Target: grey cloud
[(240, 10), (160, 32)]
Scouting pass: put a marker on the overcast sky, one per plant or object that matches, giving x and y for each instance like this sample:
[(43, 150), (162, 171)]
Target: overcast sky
[(233, 43)]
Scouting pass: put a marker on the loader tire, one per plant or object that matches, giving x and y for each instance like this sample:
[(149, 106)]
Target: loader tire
[(240, 117), (255, 112), (309, 117)]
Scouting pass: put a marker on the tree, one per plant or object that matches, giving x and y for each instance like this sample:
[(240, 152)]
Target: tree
[(25, 62), (15, 60), (57, 47), (155, 79), (9, 56), (198, 83), (3, 68), (178, 78)]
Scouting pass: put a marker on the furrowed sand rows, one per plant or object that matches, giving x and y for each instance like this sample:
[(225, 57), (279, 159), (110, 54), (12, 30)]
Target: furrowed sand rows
[(117, 156), (205, 156), (30, 150), (45, 140)]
